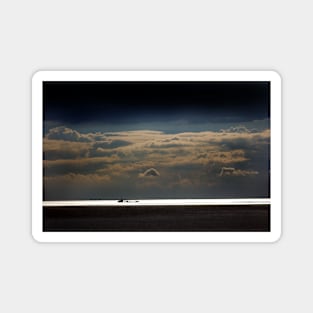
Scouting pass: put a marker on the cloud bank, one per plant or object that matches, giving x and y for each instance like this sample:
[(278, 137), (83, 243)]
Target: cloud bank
[(227, 163)]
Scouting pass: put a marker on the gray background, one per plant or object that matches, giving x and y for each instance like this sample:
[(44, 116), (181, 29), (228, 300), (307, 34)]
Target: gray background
[(155, 35)]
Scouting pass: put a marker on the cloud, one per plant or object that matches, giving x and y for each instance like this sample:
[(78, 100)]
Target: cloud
[(151, 172), (111, 144), (163, 145), (78, 166), (62, 149), (80, 178), (67, 134), (231, 171), (238, 129)]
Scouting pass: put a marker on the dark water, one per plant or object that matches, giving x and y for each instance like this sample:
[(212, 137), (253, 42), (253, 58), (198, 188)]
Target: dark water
[(158, 218)]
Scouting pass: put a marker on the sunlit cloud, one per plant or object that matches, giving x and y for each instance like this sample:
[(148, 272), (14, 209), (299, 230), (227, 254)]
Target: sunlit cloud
[(231, 171), (67, 134), (239, 129), (151, 172)]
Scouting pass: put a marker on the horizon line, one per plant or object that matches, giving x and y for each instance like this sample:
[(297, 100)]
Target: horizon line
[(150, 202)]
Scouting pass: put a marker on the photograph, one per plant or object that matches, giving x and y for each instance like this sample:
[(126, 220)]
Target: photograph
[(156, 156)]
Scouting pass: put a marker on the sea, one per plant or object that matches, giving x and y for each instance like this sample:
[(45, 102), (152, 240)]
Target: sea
[(137, 216)]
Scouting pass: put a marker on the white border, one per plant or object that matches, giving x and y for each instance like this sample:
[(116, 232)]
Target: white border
[(37, 172)]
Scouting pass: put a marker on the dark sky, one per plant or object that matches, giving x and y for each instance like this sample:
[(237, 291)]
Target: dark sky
[(133, 102)]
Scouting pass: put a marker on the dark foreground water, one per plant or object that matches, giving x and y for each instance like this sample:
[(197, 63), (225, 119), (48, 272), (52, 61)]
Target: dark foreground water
[(157, 218)]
